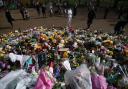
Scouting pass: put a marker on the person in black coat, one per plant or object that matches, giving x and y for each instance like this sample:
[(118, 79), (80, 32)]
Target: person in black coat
[(22, 9), (44, 10), (91, 16), (9, 17), (120, 12), (118, 29), (75, 10), (106, 10), (38, 8)]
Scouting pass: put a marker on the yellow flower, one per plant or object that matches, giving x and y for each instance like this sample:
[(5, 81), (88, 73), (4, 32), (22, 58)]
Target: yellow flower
[(44, 37), (65, 55), (55, 33), (62, 33), (108, 42), (38, 46), (110, 53), (52, 38)]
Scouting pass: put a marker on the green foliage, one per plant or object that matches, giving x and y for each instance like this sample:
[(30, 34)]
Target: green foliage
[(71, 2), (106, 3), (123, 3)]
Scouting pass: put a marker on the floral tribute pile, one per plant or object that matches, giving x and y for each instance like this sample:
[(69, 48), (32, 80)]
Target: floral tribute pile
[(58, 58)]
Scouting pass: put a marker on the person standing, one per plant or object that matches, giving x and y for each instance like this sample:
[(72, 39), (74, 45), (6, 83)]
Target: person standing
[(120, 12), (69, 17), (75, 10), (22, 9), (106, 10), (26, 14), (9, 17), (59, 8), (51, 8), (91, 16), (44, 10), (38, 8), (118, 29), (65, 7)]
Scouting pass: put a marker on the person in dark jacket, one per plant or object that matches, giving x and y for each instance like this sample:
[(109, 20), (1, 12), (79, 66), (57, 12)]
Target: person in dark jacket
[(9, 17), (121, 24), (119, 27), (22, 9), (120, 12), (106, 10), (91, 16), (75, 10), (44, 10), (38, 8)]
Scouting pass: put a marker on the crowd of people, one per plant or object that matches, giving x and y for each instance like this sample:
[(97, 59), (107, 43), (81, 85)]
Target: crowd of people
[(68, 11), (51, 8)]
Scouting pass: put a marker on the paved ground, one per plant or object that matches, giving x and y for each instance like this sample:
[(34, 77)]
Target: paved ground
[(78, 21)]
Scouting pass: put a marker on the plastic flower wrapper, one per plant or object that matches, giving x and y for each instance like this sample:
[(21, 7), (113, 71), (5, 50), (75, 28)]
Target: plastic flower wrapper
[(45, 79), (111, 87), (34, 73), (66, 63), (4, 66), (124, 81), (51, 66), (99, 82), (79, 78), (92, 57)]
